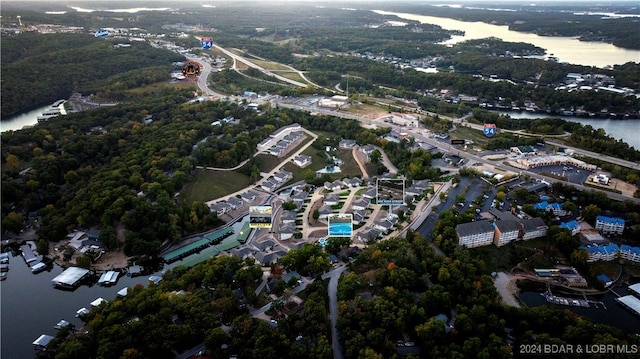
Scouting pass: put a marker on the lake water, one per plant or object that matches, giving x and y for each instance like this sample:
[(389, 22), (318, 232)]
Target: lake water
[(625, 130), (566, 49), (28, 118), (615, 314), (31, 306)]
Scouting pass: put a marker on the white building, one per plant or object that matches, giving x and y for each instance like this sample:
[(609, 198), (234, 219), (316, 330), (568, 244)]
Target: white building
[(610, 224), (475, 234)]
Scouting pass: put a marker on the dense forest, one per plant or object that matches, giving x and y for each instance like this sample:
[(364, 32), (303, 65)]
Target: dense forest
[(53, 66), (396, 291)]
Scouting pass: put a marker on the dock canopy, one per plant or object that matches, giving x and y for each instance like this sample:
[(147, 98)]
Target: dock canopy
[(108, 278), (70, 277), (82, 311), (62, 324), (42, 341), (97, 302), (123, 292)]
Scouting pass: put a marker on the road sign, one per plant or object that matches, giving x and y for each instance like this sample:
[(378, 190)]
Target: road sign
[(206, 42), (489, 129), (101, 33), (191, 69), (457, 142)]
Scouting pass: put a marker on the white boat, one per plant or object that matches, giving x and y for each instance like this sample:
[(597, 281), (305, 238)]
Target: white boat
[(38, 267)]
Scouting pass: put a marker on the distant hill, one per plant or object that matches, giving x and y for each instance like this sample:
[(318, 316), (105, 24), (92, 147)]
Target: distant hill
[(38, 69)]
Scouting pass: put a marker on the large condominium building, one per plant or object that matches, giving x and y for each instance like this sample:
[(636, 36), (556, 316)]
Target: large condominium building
[(610, 224), (475, 234)]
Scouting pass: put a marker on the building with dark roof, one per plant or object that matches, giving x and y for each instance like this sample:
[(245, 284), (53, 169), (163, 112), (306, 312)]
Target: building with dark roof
[(533, 228), (475, 234), (506, 231)]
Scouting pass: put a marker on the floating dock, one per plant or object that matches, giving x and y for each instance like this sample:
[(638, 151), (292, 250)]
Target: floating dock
[(565, 301)]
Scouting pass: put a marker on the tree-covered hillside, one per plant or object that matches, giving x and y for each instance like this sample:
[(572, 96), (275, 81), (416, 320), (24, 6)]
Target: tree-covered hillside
[(38, 69)]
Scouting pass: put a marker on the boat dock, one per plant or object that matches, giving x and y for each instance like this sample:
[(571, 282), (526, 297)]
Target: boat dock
[(27, 254), (70, 278), (631, 301), (204, 242), (108, 278), (585, 303)]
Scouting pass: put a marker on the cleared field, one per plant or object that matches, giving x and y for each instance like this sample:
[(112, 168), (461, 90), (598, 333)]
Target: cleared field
[(292, 76), (349, 165), (466, 133), (270, 65), (209, 184), (318, 161), (267, 162)]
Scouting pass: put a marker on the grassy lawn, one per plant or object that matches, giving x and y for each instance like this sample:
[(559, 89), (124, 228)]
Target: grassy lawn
[(349, 165), (292, 76), (208, 185), (466, 133), (270, 65), (267, 162), (318, 161), (504, 258), (611, 269)]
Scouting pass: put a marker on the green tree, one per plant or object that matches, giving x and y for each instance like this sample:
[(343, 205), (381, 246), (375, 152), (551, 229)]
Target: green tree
[(375, 156), (13, 222), (43, 247)]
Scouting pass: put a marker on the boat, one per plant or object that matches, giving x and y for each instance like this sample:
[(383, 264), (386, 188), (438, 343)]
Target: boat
[(38, 267), (3, 275), (4, 267), (4, 257)]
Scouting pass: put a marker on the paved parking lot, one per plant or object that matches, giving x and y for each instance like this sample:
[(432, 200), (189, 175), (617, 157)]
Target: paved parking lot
[(572, 174)]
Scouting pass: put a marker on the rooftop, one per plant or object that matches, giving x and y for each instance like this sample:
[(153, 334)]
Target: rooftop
[(471, 228)]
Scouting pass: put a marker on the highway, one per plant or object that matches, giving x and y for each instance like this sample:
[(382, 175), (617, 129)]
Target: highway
[(418, 134)]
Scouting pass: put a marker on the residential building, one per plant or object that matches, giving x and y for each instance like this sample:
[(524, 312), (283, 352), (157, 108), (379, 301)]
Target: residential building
[(347, 144), (302, 160), (287, 230), (360, 203), (573, 226), (235, 202), (358, 216), (369, 234), (506, 232), (630, 253), (288, 217), (324, 211), (606, 252), (370, 193), (533, 228), (249, 196), (283, 176), (331, 199), (610, 225), (367, 150), (383, 226), (475, 234), (220, 208)]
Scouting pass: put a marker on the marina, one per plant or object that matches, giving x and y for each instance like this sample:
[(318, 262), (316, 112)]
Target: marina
[(56, 109), (631, 301)]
